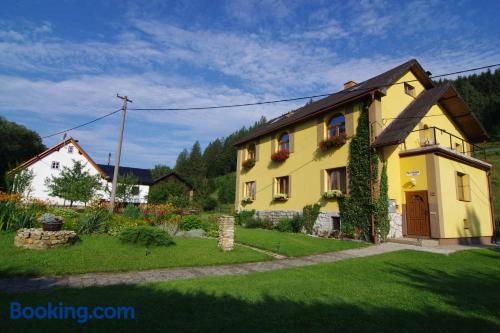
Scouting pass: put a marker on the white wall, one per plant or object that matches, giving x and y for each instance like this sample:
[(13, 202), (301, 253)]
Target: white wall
[(42, 169)]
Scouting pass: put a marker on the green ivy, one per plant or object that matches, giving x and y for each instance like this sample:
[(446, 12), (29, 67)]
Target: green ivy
[(382, 207), (309, 215)]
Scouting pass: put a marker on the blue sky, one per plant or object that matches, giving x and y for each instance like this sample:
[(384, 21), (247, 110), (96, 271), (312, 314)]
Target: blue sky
[(62, 62)]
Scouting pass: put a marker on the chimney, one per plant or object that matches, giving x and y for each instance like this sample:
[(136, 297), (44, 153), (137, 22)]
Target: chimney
[(109, 158), (349, 84)]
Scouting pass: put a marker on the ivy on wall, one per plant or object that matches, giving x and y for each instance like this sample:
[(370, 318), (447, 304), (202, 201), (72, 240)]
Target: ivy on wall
[(357, 208)]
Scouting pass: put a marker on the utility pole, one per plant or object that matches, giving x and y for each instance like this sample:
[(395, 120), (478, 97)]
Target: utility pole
[(118, 153)]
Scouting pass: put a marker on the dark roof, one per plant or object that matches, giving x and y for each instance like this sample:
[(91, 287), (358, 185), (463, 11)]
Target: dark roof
[(173, 174), (377, 83), (445, 95), (143, 175)]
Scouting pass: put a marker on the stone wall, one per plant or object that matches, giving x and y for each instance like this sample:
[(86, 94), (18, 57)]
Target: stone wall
[(322, 227), (226, 233), (396, 221), (38, 239)]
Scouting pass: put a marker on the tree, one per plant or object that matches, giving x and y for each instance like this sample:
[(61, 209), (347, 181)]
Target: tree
[(21, 182), (18, 144), (127, 188), (165, 191), (195, 171), (74, 184), (160, 170), (181, 163)]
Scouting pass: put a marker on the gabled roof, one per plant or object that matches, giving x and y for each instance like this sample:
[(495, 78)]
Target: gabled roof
[(445, 95), (143, 175), (57, 147), (173, 174), (377, 83)]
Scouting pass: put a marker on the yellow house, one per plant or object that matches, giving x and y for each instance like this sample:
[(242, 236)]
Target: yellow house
[(424, 133)]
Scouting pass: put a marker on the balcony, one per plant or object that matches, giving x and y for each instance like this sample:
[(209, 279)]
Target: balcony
[(437, 137)]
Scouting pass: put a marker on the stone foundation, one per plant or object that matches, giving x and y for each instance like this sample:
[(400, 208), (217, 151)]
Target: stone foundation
[(396, 221), (322, 227), (226, 233), (38, 239)]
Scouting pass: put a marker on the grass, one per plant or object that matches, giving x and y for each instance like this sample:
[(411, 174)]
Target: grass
[(102, 253), (290, 244), (397, 292)]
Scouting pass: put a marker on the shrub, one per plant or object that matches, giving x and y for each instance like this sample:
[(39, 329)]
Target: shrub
[(190, 222), (243, 216), (259, 223), (310, 214), (284, 225), (15, 215), (146, 235), (93, 221), (119, 222), (64, 212), (211, 225), (209, 204), (132, 212), (297, 223)]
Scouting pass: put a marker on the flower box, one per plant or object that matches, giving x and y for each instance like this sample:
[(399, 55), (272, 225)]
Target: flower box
[(247, 200), (247, 164), (333, 194), (280, 156), (336, 141), (280, 197)]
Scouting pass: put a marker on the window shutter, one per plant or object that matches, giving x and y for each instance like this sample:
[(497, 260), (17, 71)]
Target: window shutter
[(256, 150), (291, 138), (322, 182), (273, 144), (349, 121), (320, 129), (456, 185), (289, 186), (273, 186)]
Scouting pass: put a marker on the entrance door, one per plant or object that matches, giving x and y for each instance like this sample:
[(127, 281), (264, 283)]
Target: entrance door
[(417, 214)]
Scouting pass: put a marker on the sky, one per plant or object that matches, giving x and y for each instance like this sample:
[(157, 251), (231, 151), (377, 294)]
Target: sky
[(63, 62)]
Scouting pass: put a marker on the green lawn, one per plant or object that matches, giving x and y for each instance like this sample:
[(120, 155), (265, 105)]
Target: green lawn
[(290, 244), (397, 292), (99, 253)]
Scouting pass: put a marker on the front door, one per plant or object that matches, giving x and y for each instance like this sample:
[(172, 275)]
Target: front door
[(417, 214)]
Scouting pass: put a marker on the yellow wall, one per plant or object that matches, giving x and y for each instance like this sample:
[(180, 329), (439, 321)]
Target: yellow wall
[(304, 166), (416, 163), (477, 211)]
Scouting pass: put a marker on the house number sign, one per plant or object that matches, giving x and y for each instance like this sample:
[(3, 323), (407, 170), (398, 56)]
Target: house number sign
[(413, 173)]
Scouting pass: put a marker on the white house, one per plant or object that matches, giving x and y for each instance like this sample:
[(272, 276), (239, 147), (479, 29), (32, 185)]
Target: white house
[(64, 154)]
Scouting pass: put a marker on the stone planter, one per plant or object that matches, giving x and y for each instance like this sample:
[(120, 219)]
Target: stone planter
[(52, 226), (38, 239)]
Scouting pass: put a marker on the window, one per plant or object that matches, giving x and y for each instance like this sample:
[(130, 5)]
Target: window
[(284, 142), (463, 187), (428, 137), (409, 90), (282, 185), (250, 190), (336, 126), (70, 149), (337, 179), (251, 152), (55, 165)]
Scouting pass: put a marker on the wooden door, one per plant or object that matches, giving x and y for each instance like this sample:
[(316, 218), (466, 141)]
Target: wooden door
[(417, 214)]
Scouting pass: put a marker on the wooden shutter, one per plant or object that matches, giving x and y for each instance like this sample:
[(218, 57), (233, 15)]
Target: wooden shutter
[(273, 144), (457, 187), (273, 187), (343, 180), (320, 129), (349, 121), (289, 186), (291, 140), (322, 182), (257, 150)]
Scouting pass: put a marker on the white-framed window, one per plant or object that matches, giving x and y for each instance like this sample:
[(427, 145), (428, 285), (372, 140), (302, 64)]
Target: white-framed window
[(250, 190), (55, 165), (70, 149)]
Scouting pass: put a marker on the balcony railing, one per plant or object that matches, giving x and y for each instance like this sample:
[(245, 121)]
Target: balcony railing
[(436, 136)]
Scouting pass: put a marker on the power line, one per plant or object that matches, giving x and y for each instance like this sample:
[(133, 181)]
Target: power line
[(266, 102), (307, 97), (81, 125)]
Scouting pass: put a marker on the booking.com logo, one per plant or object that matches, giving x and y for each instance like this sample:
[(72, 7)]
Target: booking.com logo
[(60, 311)]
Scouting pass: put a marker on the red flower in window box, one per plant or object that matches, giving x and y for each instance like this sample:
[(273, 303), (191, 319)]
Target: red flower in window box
[(280, 156), (335, 141), (247, 164)]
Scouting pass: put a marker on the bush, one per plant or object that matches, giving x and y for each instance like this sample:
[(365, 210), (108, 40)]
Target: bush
[(244, 216), (64, 212), (190, 222), (119, 222), (211, 225), (284, 225), (146, 235), (297, 223), (209, 204), (310, 214), (259, 223), (93, 221), (132, 212)]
